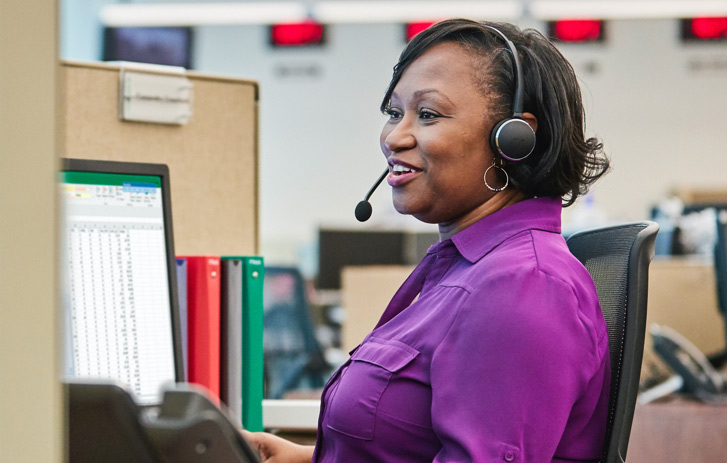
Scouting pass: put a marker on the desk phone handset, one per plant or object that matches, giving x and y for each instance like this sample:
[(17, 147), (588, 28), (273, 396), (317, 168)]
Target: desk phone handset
[(698, 375), (105, 424)]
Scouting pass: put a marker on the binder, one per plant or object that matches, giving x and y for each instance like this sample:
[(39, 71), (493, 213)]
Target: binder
[(203, 322), (253, 274), (231, 338), (182, 298)]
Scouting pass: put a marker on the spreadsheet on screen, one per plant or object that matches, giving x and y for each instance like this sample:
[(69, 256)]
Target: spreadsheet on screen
[(115, 281)]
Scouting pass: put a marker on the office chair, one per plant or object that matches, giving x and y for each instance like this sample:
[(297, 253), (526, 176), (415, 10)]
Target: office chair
[(293, 356), (618, 260)]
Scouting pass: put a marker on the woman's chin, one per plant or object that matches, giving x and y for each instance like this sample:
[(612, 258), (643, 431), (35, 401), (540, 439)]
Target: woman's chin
[(404, 208), (417, 213)]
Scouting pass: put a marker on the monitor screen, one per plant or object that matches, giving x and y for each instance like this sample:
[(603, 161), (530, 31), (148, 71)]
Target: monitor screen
[(171, 46), (340, 248), (118, 275)]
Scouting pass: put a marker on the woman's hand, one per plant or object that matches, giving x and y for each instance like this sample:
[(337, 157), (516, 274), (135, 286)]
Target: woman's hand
[(274, 449)]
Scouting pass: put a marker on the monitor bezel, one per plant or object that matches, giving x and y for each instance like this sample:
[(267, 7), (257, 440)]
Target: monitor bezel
[(155, 170)]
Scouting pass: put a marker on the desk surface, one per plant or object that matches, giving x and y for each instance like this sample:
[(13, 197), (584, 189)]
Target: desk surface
[(678, 431), (291, 415)]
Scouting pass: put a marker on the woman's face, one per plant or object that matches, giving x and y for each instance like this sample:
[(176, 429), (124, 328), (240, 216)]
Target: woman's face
[(436, 139)]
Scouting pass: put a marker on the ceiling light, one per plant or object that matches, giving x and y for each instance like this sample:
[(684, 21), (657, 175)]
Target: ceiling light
[(202, 14)]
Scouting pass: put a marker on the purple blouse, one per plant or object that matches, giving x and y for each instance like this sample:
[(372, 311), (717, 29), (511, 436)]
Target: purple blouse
[(502, 357)]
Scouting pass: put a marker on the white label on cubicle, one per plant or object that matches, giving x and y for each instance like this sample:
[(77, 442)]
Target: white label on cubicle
[(161, 99)]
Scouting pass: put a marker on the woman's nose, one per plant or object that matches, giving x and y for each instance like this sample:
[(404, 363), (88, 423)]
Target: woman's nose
[(400, 137)]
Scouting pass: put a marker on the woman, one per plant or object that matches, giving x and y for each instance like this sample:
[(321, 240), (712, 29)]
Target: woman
[(495, 348)]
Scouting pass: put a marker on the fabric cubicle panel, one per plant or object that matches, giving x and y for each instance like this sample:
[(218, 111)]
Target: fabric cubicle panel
[(683, 296), (365, 293), (213, 159)]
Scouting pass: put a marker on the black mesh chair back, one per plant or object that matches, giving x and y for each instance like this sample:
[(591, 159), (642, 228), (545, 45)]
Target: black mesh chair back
[(618, 260)]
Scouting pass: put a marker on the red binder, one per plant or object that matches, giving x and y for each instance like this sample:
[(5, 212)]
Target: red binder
[(203, 321)]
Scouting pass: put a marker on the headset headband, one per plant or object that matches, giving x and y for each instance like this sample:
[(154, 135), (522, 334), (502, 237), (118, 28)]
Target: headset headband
[(517, 104), (513, 138)]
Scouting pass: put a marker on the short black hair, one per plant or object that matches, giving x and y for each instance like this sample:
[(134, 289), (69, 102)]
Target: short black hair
[(564, 162)]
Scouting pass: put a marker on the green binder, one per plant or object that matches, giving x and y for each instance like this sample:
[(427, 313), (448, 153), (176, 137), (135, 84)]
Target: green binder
[(253, 274)]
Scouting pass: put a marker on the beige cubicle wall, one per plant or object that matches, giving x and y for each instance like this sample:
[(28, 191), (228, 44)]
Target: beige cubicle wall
[(365, 293), (682, 295), (31, 402), (213, 159)]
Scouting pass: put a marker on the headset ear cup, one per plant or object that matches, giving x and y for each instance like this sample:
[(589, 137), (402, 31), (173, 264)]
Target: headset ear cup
[(513, 139)]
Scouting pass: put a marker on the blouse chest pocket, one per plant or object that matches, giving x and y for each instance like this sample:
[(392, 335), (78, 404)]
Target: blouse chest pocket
[(352, 407)]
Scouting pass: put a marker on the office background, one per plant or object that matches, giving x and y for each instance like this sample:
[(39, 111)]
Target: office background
[(655, 102)]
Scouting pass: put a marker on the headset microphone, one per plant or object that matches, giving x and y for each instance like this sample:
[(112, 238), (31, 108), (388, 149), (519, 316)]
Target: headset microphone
[(363, 208)]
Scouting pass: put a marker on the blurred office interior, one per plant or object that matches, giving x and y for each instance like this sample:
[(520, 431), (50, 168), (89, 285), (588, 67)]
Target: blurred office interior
[(653, 83), (654, 98), (654, 95)]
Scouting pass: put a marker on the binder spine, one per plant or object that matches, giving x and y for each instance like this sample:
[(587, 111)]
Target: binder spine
[(203, 318), (231, 337), (252, 359), (182, 298)]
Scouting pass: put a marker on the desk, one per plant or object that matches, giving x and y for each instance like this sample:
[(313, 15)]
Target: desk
[(678, 431), (294, 420), (291, 415)]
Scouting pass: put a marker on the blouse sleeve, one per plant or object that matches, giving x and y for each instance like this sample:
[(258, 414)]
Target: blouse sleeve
[(504, 379)]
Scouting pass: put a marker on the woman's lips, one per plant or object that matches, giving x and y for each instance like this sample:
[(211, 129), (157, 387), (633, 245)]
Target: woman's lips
[(400, 173)]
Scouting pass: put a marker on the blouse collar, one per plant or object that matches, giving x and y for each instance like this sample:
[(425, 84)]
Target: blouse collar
[(477, 240)]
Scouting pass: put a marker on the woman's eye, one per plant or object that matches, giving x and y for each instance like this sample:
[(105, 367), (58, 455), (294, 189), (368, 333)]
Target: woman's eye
[(394, 114), (426, 114)]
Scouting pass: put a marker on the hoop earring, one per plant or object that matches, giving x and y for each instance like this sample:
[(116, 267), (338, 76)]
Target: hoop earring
[(507, 178)]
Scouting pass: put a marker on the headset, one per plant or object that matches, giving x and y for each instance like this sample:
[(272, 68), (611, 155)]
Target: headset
[(513, 138)]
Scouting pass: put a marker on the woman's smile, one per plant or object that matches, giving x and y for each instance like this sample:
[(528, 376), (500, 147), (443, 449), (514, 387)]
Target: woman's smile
[(401, 173)]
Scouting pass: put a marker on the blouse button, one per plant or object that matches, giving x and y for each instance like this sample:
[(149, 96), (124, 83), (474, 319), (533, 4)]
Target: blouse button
[(509, 456)]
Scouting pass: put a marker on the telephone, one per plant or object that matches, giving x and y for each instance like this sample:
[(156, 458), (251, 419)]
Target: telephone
[(106, 424), (696, 375)]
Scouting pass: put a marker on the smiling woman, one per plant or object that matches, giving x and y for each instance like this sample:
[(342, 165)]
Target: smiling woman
[(437, 131), (495, 348)]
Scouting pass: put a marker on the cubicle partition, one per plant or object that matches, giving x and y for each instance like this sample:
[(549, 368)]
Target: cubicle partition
[(212, 158)]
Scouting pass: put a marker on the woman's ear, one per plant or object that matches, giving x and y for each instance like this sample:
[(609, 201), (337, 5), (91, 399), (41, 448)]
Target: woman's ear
[(531, 120)]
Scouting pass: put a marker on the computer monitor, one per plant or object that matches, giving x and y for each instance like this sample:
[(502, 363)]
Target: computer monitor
[(119, 289), (341, 248), (171, 46)]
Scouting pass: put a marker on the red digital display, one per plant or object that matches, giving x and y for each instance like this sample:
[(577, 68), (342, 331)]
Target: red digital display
[(576, 30), (296, 34), (711, 28), (413, 29)]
